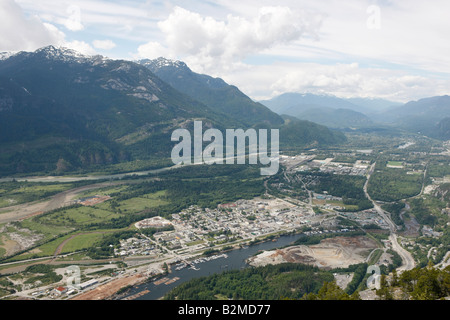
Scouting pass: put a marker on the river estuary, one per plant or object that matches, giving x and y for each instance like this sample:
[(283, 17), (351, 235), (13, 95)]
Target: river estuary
[(234, 260)]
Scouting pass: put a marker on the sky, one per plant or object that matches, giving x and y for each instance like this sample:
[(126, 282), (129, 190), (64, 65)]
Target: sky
[(392, 49)]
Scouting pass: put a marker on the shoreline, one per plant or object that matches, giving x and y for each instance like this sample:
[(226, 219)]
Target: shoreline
[(195, 257)]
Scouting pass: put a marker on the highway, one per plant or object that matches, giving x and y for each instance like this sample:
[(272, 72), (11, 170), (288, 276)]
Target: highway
[(407, 259)]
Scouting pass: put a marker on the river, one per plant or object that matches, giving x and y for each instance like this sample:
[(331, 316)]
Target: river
[(61, 179), (53, 179), (235, 260)]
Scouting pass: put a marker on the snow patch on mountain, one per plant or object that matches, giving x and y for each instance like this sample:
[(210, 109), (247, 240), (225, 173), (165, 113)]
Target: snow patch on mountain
[(162, 63), (7, 55)]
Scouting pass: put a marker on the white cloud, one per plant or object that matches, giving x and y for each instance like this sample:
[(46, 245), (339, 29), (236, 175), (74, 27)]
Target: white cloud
[(326, 47), (104, 44), (129, 20), (214, 43), (73, 21), (153, 50), (343, 80), (80, 46), (22, 33), (298, 45), (19, 32)]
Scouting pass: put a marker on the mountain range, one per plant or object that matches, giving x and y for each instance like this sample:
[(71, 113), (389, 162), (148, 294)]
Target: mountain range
[(327, 109), (428, 116), (213, 92), (61, 111)]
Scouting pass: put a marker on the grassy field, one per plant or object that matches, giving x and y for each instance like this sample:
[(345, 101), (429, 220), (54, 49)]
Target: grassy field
[(103, 191), (375, 256), (137, 204), (33, 228), (45, 250), (77, 217), (49, 231), (320, 202), (82, 241), (73, 242), (30, 232), (194, 243), (395, 163), (71, 222)]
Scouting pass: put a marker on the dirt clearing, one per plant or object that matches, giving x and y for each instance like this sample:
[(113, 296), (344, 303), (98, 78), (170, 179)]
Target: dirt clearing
[(339, 252), (105, 291)]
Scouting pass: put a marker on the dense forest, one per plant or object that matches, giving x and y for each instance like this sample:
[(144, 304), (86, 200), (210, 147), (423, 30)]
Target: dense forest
[(427, 283), (349, 188), (296, 281), (272, 282), (394, 184), (395, 210), (331, 291)]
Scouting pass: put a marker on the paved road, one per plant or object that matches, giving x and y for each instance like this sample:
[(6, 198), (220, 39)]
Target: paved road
[(392, 226), (290, 170), (408, 262), (407, 259)]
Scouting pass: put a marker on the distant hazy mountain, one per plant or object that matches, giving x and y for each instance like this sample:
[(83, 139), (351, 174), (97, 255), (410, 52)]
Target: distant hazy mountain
[(363, 105), (424, 115), (433, 107), (443, 129), (336, 118), (213, 92), (427, 116), (304, 101), (323, 109), (373, 105), (312, 134)]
